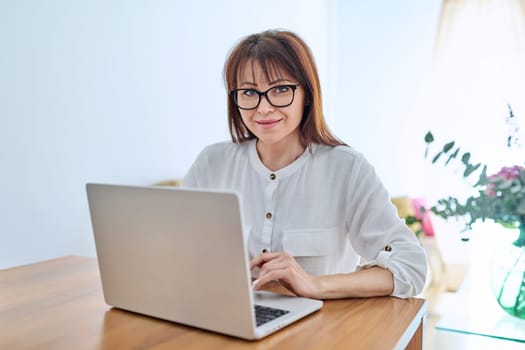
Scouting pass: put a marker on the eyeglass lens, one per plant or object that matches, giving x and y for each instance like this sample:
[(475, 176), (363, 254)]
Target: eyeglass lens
[(277, 96)]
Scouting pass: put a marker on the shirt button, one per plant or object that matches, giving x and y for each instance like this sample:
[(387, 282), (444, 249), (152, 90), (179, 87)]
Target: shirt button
[(268, 215), (272, 176), (388, 248)]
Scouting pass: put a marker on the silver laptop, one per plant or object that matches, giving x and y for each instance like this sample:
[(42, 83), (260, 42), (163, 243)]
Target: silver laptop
[(180, 255)]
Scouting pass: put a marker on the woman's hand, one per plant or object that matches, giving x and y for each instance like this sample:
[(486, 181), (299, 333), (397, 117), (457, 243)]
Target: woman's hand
[(284, 268), (281, 267)]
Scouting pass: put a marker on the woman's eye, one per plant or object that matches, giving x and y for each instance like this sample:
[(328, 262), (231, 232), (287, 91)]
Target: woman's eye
[(249, 93), (281, 89)]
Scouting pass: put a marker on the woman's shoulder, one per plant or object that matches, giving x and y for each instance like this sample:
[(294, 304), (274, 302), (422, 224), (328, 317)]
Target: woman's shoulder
[(342, 153), (341, 160)]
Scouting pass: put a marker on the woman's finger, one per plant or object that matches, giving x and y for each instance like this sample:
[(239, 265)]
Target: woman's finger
[(262, 258)]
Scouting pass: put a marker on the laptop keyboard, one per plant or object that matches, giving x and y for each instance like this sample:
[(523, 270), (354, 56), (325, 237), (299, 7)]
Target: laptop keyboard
[(265, 314)]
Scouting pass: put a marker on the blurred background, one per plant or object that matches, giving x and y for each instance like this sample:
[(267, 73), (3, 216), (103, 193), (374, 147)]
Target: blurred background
[(130, 92)]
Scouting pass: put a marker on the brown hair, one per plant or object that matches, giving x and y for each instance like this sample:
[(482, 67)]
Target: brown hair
[(279, 50)]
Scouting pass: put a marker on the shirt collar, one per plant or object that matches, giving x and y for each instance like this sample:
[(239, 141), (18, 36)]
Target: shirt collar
[(281, 173)]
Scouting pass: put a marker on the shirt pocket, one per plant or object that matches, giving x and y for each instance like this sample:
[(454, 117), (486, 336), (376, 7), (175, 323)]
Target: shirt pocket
[(313, 249)]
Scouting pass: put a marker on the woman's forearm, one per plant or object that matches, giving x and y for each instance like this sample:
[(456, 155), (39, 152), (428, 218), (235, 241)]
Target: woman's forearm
[(369, 282)]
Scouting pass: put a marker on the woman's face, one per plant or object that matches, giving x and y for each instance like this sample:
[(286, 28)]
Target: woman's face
[(271, 125)]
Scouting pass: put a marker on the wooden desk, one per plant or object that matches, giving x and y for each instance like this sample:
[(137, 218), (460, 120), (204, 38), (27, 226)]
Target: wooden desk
[(58, 304)]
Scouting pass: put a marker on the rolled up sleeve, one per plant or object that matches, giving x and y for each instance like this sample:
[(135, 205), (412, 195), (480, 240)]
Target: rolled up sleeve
[(378, 234), (407, 262)]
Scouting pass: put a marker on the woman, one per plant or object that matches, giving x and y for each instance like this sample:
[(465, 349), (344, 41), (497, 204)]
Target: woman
[(313, 205)]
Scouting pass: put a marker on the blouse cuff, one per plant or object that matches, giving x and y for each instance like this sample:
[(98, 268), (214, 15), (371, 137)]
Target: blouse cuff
[(381, 260), (402, 289)]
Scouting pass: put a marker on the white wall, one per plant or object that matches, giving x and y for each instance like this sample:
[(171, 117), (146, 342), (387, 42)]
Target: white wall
[(384, 53), (130, 92)]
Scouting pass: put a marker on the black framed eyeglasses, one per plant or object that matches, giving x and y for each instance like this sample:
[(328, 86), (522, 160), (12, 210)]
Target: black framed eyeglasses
[(277, 96)]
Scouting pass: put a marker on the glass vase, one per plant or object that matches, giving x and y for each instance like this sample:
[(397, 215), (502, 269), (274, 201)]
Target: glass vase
[(508, 275)]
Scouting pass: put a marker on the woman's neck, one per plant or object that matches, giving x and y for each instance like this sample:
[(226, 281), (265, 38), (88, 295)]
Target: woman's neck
[(278, 155)]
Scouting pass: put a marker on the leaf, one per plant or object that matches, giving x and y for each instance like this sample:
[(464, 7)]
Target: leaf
[(470, 169), (522, 176), (465, 158), (452, 156), (448, 146), (505, 184), (429, 138), (409, 220), (516, 188), (482, 177), (521, 209), (436, 157)]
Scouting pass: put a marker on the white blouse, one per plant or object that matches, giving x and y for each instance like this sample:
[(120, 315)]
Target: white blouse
[(326, 209)]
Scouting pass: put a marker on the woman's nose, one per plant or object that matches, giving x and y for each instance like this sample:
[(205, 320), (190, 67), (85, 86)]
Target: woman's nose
[(265, 106)]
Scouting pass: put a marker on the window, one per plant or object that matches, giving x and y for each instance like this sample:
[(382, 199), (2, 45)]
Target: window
[(478, 72)]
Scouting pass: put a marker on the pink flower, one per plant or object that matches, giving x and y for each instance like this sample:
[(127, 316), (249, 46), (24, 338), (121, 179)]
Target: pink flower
[(490, 191), (502, 179), (507, 173)]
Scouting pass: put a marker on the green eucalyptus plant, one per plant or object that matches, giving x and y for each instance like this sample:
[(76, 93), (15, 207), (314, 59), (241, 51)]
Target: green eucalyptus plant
[(500, 196)]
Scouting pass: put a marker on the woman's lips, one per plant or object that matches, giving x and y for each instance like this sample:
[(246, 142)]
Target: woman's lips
[(268, 123)]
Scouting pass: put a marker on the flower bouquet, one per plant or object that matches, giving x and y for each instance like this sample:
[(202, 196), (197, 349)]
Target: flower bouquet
[(501, 198)]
